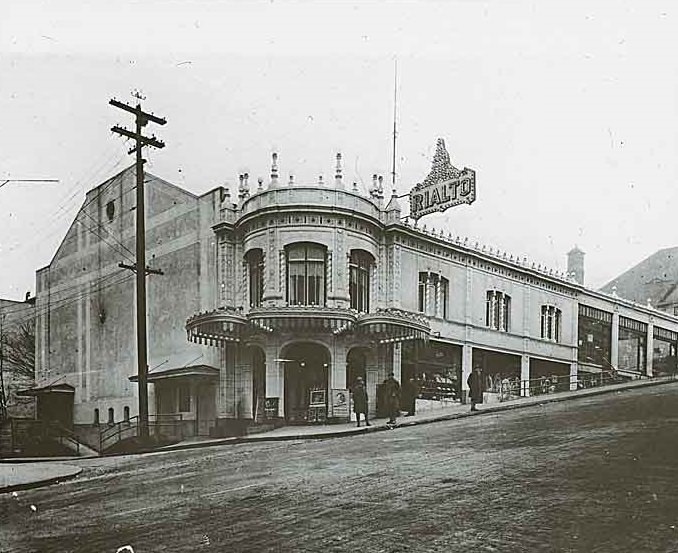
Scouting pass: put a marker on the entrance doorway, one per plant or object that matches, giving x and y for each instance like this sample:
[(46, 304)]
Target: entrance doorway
[(306, 370), (356, 361)]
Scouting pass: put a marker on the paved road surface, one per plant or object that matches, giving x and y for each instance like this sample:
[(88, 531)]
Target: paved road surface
[(590, 475)]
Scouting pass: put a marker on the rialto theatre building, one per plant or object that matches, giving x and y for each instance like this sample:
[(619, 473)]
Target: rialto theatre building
[(299, 288)]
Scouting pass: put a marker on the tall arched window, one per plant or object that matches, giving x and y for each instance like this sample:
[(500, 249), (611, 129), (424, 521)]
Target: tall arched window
[(359, 280), (306, 274), (498, 310), (255, 270), (111, 415), (433, 294)]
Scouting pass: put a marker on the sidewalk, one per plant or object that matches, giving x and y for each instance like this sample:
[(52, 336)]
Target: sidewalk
[(23, 476), (443, 413)]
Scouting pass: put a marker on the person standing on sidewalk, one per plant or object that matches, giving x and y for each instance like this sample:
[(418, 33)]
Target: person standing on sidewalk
[(475, 387), (410, 393), (391, 391), (360, 400)]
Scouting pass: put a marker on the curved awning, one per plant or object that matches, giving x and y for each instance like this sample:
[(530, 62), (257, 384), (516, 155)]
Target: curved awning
[(393, 325), (216, 327), (302, 318)]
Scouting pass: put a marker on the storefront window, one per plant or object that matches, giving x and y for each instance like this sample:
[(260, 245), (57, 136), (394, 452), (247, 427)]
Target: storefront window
[(433, 294), (306, 274), (498, 310), (255, 268), (665, 344), (595, 335), (632, 345), (550, 322), (359, 280)]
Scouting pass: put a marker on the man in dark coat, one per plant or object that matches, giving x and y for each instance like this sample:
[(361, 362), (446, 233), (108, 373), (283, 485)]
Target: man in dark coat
[(360, 400), (391, 390), (475, 385), (410, 393)]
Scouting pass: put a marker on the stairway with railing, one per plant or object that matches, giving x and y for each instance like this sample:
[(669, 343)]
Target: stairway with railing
[(161, 429)]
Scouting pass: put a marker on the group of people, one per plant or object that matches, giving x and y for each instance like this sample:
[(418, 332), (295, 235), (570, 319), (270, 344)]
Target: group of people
[(392, 396)]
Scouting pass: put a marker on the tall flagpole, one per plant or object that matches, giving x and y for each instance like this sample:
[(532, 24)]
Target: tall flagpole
[(395, 113)]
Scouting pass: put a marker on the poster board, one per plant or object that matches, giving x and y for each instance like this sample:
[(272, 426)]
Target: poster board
[(340, 403)]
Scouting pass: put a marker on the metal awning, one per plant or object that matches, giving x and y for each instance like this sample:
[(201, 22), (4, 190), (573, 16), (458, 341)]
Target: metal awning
[(394, 325), (302, 318), (205, 372), (213, 328), (49, 389)]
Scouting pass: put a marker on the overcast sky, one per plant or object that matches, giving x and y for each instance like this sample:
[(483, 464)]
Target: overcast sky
[(567, 111)]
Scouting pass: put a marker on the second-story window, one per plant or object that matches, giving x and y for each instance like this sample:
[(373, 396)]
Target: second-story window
[(359, 280), (433, 294), (498, 310), (550, 322), (306, 274), (255, 269)]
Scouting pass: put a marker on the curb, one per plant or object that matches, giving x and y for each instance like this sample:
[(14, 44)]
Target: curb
[(452, 416), (40, 483)]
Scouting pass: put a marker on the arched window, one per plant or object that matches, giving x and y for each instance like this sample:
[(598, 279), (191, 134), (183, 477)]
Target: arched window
[(126, 413), (96, 416), (498, 310), (433, 294), (111, 415), (306, 274), (359, 280), (255, 270), (550, 322)]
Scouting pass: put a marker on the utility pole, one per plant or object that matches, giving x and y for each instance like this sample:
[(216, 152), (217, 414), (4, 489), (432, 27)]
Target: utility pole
[(141, 119), (3, 398)]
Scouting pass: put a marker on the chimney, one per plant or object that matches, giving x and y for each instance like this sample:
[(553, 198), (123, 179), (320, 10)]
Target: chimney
[(575, 264)]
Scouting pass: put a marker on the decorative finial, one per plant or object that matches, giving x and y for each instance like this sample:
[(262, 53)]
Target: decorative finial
[(291, 181), (338, 176), (260, 183), (380, 190), (243, 189), (355, 186), (320, 180), (274, 169)]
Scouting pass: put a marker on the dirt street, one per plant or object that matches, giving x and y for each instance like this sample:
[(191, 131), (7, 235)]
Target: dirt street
[(590, 475)]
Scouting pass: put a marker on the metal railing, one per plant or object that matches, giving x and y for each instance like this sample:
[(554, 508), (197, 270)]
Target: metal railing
[(168, 426), (513, 388)]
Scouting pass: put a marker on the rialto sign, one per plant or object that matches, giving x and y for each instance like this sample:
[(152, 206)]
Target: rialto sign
[(444, 187)]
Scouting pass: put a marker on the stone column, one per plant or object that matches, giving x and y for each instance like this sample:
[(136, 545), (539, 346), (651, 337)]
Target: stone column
[(466, 369), (226, 405), (397, 358), (275, 377), (650, 348), (372, 379), (337, 368), (573, 375), (614, 343), (525, 375)]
